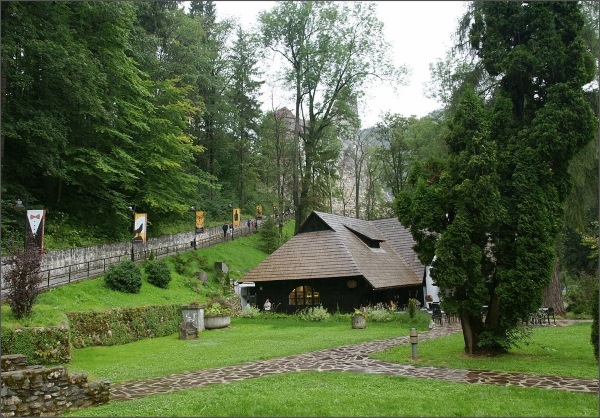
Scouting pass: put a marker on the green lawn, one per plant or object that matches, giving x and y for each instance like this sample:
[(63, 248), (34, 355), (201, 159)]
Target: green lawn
[(561, 351), (352, 394), (556, 351), (245, 340)]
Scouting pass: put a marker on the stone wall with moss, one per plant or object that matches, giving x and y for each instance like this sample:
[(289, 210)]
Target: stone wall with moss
[(38, 391)]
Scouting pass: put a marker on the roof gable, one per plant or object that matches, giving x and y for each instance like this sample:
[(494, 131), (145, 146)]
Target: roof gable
[(314, 223)]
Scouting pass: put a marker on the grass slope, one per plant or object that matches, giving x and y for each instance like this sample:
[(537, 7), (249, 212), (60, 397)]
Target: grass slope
[(240, 255)]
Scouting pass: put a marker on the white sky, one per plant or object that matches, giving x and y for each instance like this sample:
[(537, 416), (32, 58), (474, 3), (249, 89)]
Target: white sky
[(419, 32)]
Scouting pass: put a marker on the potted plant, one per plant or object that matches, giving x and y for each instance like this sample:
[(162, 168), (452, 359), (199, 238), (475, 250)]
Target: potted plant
[(216, 315), (359, 319)]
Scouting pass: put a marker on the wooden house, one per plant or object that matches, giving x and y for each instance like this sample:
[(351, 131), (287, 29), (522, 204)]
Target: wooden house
[(340, 263)]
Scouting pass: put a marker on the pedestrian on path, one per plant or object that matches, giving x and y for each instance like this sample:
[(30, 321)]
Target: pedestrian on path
[(225, 228)]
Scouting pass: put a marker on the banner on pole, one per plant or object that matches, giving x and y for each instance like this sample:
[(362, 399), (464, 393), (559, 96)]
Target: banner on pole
[(199, 221), (139, 227), (35, 231)]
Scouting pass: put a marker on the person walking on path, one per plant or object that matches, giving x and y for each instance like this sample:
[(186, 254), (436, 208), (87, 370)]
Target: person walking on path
[(225, 228)]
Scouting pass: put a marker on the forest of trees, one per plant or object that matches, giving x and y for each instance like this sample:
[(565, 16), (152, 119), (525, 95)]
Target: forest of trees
[(156, 105)]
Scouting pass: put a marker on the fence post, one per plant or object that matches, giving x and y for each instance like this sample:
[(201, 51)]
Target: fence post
[(69, 274)]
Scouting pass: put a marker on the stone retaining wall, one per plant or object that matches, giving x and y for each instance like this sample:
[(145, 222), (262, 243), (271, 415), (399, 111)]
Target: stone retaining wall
[(62, 258), (35, 390)]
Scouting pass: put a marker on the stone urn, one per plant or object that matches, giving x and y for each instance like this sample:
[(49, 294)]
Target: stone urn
[(359, 322), (216, 321)]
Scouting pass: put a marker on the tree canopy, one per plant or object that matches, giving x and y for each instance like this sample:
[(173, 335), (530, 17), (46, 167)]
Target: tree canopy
[(488, 215)]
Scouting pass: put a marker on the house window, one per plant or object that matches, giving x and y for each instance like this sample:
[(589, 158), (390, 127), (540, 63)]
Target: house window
[(304, 296)]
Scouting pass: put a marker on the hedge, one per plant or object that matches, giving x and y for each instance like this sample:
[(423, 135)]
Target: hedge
[(41, 345), (123, 325)]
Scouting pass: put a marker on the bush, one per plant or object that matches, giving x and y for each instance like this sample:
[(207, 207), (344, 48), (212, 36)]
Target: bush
[(179, 264), (251, 312), (317, 313), (380, 315), (594, 334), (412, 307), (158, 273), (578, 294), (41, 345), (23, 279), (125, 277), (123, 325)]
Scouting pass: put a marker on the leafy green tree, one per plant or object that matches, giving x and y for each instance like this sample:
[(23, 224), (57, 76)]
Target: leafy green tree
[(242, 94), (271, 239), (275, 155), (74, 99), (332, 50), (491, 212), (394, 150), (210, 125)]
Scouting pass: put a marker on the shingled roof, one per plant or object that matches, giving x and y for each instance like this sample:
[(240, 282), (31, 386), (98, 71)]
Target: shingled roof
[(332, 246)]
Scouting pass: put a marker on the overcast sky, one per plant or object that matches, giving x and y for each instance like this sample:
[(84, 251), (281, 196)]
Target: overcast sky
[(419, 32)]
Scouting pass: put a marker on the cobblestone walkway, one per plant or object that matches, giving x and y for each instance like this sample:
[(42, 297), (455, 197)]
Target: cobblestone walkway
[(353, 358)]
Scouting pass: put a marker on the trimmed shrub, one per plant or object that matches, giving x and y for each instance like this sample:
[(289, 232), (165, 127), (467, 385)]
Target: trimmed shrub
[(41, 345), (124, 325), (158, 273), (317, 313), (125, 277), (380, 315), (251, 312), (412, 307)]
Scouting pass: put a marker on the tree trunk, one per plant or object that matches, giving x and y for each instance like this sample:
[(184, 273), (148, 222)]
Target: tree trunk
[(472, 327), (553, 292), (298, 203)]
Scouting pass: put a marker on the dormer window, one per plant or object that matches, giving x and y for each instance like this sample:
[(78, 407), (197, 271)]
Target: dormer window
[(371, 242)]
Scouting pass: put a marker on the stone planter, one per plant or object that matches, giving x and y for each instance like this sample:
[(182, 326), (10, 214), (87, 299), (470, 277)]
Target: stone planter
[(194, 314), (359, 322), (217, 321)]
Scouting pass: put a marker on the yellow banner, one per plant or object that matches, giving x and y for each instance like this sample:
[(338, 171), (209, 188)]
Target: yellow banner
[(237, 215), (199, 221), (259, 209)]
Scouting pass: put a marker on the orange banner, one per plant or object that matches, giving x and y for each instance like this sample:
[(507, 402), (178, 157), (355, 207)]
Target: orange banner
[(139, 227)]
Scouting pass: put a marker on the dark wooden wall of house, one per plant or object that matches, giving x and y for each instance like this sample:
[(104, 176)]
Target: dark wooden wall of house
[(334, 294)]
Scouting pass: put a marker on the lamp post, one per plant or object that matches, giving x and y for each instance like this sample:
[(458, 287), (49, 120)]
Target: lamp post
[(132, 209), (193, 210)]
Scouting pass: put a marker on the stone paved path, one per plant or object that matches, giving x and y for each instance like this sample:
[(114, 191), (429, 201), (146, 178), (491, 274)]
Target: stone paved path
[(354, 358)]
